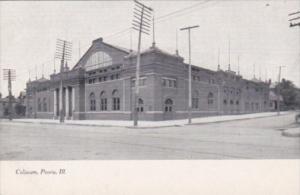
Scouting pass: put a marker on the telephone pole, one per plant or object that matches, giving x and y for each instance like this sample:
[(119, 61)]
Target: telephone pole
[(278, 90), (296, 18), (190, 72), (295, 21), (64, 53), (141, 23), (9, 75)]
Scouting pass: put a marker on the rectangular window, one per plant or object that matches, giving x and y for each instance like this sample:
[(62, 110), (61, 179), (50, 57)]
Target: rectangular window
[(133, 83), (175, 83), (164, 82), (103, 104), (112, 77), (104, 78), (170, 83), (141, 83), (116, 104)]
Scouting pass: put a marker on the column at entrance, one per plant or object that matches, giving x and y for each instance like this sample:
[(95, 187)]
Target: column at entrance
[(54, 104), (67, 108), (73, 102)]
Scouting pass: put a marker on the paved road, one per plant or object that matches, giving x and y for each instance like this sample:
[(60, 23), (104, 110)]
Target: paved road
[(245, 139)]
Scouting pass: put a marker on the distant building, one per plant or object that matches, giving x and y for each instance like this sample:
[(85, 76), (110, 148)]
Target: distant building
[(273, 99), (101, 86)]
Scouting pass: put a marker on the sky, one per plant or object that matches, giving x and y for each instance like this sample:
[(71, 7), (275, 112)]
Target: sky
[(258, 33)]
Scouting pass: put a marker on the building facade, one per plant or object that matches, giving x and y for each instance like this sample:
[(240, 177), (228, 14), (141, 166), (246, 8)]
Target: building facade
[(101, 86)]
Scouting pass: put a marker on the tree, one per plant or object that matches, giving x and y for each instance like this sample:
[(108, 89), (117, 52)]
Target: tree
[(289, 93)]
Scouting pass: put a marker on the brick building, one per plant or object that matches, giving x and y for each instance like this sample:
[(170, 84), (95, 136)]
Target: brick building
[(101, 86)]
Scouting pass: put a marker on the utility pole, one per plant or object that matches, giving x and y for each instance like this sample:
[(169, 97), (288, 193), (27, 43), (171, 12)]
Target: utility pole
[(9, 75), (278, 90), (297, 17), (295, 21), (141, 23), (190, 72), (64, 53)]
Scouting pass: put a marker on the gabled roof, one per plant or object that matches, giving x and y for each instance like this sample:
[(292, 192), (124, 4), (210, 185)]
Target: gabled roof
[(122, 49)]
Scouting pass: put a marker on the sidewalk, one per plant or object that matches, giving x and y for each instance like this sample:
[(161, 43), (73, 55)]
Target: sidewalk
[(151, 124)]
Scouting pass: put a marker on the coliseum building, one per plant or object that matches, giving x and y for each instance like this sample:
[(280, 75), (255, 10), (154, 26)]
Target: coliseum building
[(101, 86)]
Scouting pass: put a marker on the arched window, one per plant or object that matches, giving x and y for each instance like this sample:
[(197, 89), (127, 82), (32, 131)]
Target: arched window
[(92, 102), (140, 107), (44, 104), (39, 105), (115, 100), (168, 105), (210, 98), (98, 60), (103, 101)]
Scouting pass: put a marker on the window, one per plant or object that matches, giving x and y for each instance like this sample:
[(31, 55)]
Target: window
[(104, 78), (92, 81), (112, 77), (195, 103), (116, 104), (115, 100), (39, 105), (44, 104), (97, 60), (117, 76), (168, 105), (231, 102), (100, 79), (141, 83), (210, 98), (169, 82), (140, 107), (225, 102), (195, 99), (103, 101), (164, 82), (92, 102), (237, 102)]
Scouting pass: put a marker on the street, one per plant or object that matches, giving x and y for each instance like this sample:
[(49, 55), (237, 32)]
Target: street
[(258, 138)]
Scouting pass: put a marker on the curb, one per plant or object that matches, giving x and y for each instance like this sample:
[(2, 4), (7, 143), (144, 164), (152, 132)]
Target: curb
[(147, 127)]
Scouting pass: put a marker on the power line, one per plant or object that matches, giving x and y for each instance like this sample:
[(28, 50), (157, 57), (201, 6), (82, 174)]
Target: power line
[(164, 17), (182, 10)]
